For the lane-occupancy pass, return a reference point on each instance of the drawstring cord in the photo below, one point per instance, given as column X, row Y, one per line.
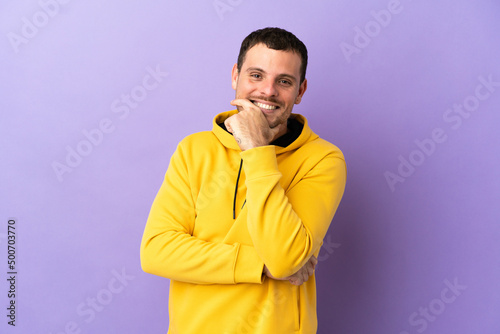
column 236, row 190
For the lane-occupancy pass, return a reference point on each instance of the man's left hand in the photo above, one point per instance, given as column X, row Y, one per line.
column 301, row 276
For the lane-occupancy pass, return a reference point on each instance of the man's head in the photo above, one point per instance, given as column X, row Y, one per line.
column 276, row 39
column 271, row 73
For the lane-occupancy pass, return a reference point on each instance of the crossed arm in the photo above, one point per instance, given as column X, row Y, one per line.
column 169, row 249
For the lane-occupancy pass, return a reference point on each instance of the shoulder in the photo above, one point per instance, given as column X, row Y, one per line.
column 198, row 140
column 321, row 148
column 311, row 145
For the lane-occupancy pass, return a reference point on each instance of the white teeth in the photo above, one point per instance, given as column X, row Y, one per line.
column 265, row 106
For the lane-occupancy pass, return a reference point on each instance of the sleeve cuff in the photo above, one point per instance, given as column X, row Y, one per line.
column 248, row 266
column 260, row 161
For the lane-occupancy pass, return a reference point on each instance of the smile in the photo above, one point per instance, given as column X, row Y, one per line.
column 264, row 106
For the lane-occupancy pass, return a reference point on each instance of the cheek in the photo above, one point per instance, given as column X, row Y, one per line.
column 245, row 89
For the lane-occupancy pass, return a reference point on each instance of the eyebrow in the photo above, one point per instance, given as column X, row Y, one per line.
column 283, row 75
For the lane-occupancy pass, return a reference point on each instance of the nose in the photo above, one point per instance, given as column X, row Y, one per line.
column 268, row 88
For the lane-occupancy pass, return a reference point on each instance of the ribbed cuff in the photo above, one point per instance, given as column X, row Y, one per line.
column 260, row 161
column 248, row 266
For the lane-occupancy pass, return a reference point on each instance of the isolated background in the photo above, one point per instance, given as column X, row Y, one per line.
column 389, row 251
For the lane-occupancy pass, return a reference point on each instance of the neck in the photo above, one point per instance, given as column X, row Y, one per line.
column 283, row 130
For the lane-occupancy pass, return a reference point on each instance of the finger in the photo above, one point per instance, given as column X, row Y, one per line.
column 228, row 126
column 297, row 281
column 313, row 262
column 244, row 103
column 310, row 270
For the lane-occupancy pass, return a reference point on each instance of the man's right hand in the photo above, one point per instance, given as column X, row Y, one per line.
column 301, row 276
column 249, row 126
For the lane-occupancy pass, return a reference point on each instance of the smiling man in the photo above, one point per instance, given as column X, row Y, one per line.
column 242, row 212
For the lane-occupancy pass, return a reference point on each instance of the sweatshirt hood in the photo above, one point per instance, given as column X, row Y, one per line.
column 228, row 140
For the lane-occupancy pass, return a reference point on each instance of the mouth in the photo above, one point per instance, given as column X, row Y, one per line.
column 265, row 106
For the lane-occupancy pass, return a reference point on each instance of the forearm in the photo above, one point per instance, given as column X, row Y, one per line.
column 170, row 249
column 179, row 256
column 288, row 228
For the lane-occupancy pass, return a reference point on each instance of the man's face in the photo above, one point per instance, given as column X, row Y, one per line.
column 271, row 80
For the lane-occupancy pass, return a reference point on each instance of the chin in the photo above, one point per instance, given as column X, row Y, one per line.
column 273, row 123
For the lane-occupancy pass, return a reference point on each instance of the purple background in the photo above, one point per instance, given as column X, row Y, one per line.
column 389, row 251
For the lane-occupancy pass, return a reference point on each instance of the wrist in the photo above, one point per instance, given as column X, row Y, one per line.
column 250, row 145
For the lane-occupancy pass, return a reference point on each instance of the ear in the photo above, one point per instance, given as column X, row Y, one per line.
column 302, row 90
column 234, row 76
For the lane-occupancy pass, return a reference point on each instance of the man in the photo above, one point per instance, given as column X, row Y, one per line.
column 240, row 217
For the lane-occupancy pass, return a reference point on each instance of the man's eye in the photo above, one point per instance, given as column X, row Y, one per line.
column 285, row 82
column 256, row 76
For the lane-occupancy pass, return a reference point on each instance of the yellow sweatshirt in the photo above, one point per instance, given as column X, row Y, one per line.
column 284, row 201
